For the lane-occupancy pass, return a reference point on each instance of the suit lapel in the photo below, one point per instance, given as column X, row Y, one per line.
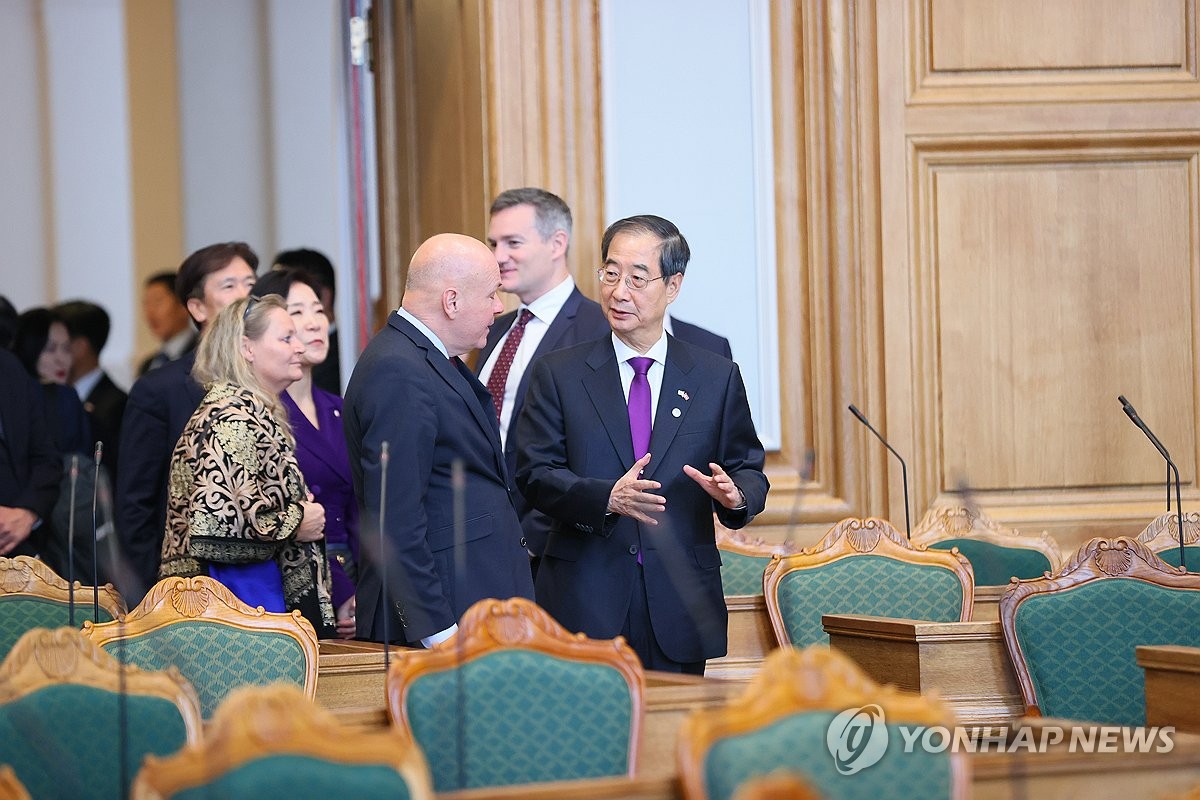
column 604, row 388
column 674, row 395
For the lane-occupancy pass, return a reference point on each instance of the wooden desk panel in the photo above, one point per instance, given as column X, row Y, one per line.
column 965, row 662
column 669, row 699
column 750, row 639
column 350, row 682
column 987, row 603
column 1172, row 685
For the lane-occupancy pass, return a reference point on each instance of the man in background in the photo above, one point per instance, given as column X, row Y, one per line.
column 411, row 390
column 328, row 374
column 168, row 320
column 160, row 404
column 88, row 326
column 530, row 234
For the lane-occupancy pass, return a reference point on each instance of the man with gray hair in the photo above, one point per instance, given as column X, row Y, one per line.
column 530, row 233
column 411, row 390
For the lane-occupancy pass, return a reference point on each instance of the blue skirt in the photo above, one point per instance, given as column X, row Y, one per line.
column 258, row 584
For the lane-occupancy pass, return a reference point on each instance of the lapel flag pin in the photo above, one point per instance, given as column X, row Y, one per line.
column 683, row 394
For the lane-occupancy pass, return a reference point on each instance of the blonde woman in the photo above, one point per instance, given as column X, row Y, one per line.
column 237, row 507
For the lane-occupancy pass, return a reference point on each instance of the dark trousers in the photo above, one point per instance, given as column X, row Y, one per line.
column 639, row 633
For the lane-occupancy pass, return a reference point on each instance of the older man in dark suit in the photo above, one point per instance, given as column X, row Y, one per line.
column 410, row 390
column 160, row 404
column 30, row 465
column 530, row 233
column 630, row 443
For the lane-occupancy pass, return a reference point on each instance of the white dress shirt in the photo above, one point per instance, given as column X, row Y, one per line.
column 654, row 376
column 87, row 383
column 544, row 310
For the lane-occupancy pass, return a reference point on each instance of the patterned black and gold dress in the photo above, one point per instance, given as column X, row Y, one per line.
column 233, row 507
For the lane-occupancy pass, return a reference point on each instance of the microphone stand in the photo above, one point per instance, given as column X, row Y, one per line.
column 903, row 467
column 96, row 537
column 383, row 575
column 1130, row 412
column 71, row 543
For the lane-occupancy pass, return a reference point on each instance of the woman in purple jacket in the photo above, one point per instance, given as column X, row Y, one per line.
column 316, row 418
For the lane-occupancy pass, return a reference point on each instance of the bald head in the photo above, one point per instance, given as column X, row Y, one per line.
column 452, row 287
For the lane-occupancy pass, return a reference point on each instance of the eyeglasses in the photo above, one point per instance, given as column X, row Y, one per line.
column 610, row 277
column 250, row 301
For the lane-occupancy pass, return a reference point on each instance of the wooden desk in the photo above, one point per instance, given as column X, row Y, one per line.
column 987, row 603
column 750, row 639
column 669, row 699
column 1172, row 685
column 350, row 682
column 965, row 662
column 1057, row 774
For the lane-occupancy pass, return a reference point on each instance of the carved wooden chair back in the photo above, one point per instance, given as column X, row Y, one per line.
column 1072, row 636
column 515, row 698
column 804, row 713
column 1162, row 537
column 744, row 559
column 62, row 703
column 996, row 554
column 218, row 642
column 272, row 741
column 864, row 567
column 34, row 596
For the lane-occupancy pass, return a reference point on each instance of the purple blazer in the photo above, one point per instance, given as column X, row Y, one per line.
column 322, row 457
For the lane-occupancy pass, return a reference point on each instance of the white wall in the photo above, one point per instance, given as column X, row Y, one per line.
column 687, row 136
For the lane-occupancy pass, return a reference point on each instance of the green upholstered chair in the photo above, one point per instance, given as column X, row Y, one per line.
column 11, row 787
column 996, row 554
column 271, row 741
column 61, row 701
column 744, row 559
column 1072, row 636
column 864, row 567
column 788, row 717
column 218, row 642
column 1162, row 537
column 514, row 698
column 33, row 596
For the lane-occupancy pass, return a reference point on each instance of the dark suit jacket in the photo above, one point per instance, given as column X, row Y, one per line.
column 579, row 320
column 31, row 467
column 433, row 412
column 701, row 337
column 576, row 444
column 328, row 374
column 105, row 405
column 160, row 404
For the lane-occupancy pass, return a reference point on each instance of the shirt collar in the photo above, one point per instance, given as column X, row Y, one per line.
column 178, row 344
column 423, row 328
column 657, row 351
column 547, row 306
column 87, row 383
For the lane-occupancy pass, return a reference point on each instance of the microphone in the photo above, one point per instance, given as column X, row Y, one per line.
column 387, row 610
column 96, row 537
column 903, row 467
column 1130, row 412
column 71, row 544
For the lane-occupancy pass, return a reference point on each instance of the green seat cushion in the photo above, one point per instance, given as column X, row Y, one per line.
column 1190, row 551
column 797, row 743
column 216, row 658
column 742, row 574
column 63, row 741
column 1079, row 645
column 525, row 717
column 22, row 612
column 866, row 584
column 291, row 777
column 995, row 564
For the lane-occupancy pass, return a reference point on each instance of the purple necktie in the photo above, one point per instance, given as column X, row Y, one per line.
column 639, row 406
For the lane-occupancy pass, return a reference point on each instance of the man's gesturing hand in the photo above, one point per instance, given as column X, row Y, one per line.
column 630, row 495
column 720, row 486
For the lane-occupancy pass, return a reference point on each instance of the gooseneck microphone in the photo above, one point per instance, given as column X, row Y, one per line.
column 903, row 467
column 383, row 557
column 1130, row 412
column 96, row 536
column 74, row 474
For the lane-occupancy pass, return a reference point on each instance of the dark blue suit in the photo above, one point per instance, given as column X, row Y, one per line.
column 701, row 337
column 576, row 444
column 160, row 404
column 579, row 320
column 433, row 412
column 31, row 467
